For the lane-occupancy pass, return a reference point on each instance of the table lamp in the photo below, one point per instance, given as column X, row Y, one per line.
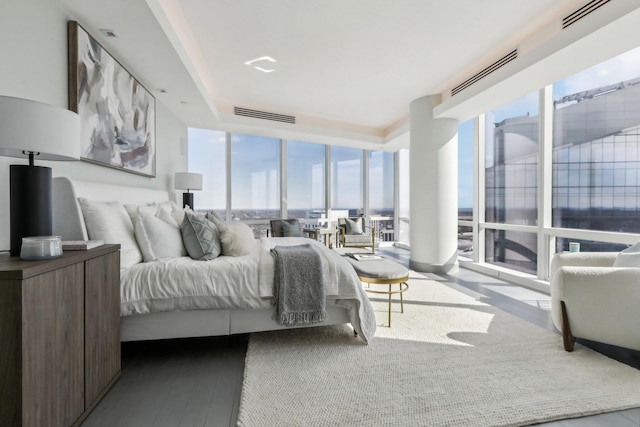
column 188, row 181
column 30, row 129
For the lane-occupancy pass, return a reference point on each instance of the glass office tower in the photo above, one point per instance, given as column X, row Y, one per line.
column 596, row 172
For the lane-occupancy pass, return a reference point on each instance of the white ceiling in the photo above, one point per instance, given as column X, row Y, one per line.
column 358, row 61
column 344, row 68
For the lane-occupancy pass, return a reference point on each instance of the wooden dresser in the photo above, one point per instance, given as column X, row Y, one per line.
column 59, row 336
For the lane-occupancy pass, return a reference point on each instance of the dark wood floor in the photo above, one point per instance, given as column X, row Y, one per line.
column 185, row 382
column 197, row 382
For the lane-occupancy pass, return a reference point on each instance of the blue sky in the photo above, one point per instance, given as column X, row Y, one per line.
column 207, row 156
column 465, row 164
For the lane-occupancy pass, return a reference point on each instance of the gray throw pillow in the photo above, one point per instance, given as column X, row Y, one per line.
column 291, row 230
column 214, row 217
column 354, row 226
column 201, row 237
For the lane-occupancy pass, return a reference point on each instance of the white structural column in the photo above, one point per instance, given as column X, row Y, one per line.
column 434, row 189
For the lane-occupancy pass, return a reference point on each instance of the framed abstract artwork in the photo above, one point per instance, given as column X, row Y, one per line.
column 118, row 114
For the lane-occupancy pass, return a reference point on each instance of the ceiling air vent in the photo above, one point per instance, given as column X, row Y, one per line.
column 585, row 10
column 482, row 74
column 264, row 115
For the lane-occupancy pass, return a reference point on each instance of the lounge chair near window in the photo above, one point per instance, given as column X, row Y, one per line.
column 285, row 228
column 356, row 233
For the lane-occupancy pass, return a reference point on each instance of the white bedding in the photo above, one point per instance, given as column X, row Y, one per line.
column 180, row 284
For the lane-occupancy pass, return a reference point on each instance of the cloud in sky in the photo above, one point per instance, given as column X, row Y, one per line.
column 618, row 69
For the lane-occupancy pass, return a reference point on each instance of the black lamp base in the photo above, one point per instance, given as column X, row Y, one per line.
column 187, row 199
column 30, row 204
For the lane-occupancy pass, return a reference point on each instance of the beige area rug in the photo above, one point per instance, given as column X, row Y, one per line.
column 449, row 360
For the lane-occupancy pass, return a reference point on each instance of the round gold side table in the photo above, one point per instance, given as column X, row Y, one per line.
column 402, row 281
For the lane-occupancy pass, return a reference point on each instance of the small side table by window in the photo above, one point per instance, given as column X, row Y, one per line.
column 329, row 234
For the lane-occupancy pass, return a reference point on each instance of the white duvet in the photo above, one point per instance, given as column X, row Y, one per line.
column 246, row 282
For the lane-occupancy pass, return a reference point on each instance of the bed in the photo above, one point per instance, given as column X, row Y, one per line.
column 180, row 297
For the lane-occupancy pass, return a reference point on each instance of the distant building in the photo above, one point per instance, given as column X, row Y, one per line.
column 596, row 171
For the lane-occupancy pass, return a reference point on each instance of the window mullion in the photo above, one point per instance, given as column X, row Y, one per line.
column 545, row 168
column 365, row 183
column 479, row 135
column 228, row 173
column 284, row 210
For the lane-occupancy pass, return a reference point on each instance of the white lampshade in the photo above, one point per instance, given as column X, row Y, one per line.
column 29, row 126
column 188, row 181
column 34, row 130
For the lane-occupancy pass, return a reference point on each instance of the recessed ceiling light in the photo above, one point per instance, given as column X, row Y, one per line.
column 264, row 70
column 107, row 32
column 263, row 60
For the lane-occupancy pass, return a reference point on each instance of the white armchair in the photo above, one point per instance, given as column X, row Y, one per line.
column 593, row 300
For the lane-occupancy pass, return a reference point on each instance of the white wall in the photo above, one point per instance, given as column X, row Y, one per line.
column 33, row 48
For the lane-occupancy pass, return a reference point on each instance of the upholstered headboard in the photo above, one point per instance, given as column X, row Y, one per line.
column 68, row 221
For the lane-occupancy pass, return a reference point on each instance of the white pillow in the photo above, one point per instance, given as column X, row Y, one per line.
column 168, row 218
column 110, row 222
column 177, row 213
column 151, row 208
column 237, row 239
column 157, row 237
column 629, row 257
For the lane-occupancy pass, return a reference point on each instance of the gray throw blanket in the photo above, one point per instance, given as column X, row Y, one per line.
column 299, row 291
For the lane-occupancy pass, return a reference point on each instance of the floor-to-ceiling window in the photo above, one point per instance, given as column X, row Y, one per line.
column 207, row 156
column 256, row 167
column 381, row 194
column 404, row 222
column 596, row 150
column 589, row 188
column 305, row 180
column 255, row 180
column 511, row 164
column 346, row 180
column 465, row 188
